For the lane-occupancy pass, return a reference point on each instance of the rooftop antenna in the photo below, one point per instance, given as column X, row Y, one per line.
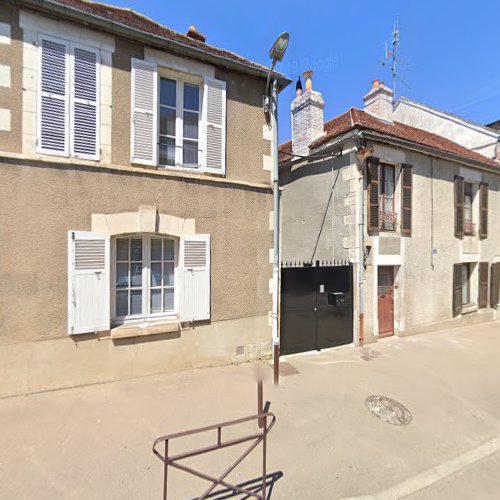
column 391, row 56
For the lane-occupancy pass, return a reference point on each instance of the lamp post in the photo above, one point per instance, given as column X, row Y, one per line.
column 276, row 53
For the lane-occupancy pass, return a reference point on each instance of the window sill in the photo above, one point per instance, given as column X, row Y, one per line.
column 469, row 309
column 144, row 329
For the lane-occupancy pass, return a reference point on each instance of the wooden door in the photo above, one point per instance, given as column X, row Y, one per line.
column 385, row 301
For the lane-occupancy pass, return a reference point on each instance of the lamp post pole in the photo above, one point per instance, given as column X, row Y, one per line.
column 271, row 110
column 276, row 234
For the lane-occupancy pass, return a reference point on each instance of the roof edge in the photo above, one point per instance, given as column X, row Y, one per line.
column 389, row 139
column 104, row 24
column 458, row 119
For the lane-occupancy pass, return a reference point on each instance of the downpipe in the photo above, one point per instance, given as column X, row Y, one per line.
column 361, row 154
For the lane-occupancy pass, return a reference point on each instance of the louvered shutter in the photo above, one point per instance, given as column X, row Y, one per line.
column 144, row 113
column 84, row 105
column 373, row 193
column 215, row 121
column 459, row 207
column 495, row 285
column 88, row 282
column 482, row 300
column 406, row 198
column 483, row 210
column 457, row 289
column 53, row 98
column 195, row 271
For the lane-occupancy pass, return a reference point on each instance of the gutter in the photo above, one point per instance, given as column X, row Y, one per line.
column 414, row 146
column 69, row 13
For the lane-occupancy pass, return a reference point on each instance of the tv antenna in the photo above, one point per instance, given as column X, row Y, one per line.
column 391, row 57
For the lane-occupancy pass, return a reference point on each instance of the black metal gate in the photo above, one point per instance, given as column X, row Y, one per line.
column 316, row 306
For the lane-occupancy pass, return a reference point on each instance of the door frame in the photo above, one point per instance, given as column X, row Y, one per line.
column 394, row 270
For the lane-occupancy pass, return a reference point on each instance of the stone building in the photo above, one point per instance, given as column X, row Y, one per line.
column 136, row 193
column 415, row 212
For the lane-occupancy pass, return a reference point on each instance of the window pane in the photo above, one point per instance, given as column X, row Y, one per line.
column 121, row 275
column 155, row 249
column 136, row 250
column 122, row 303
column 168, row 274
column 156, row 301
column 167, row 92
column 168, row 248
column 191, row 97
column 136, row 274
column 167, row 121
column 167, row 151
column 122, row 249
column 156, row 274
column 168, row 300
column 190, row 153
column 465, row 284
column 135, row 301
column 190, row 125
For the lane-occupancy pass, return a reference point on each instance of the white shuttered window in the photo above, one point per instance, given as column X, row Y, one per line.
column 144, row 112
column 215, row 142
column 195, row 296
column 88, row 282
column 178, row 120
column 84, row 115
column 68, row 99
column 53, row 100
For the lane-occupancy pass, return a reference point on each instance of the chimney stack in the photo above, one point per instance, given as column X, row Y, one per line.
column 380, row 100
column 307, row 116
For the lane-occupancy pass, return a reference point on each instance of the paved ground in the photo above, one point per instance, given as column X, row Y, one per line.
column 95, row 442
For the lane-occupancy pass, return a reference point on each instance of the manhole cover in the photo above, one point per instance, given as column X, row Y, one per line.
column 388, row 410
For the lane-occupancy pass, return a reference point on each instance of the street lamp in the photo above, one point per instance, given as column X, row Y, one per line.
column 276, row 53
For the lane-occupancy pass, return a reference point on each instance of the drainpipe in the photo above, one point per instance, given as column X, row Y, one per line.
column 276, row 199
column 361, row 154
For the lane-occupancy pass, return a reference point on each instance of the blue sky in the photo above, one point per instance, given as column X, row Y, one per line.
column 449, row 50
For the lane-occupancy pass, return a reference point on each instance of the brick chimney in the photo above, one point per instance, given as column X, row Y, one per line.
column 380, row 100
column 307, row 116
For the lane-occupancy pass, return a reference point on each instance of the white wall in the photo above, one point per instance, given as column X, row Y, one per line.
column 470, row 135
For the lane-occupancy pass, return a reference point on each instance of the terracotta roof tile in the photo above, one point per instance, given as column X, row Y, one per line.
column 356, row 118
column 285, row 151
column 140, row 22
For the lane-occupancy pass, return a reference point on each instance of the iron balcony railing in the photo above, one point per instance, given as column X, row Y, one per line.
column 387, row 220
column 469, row 227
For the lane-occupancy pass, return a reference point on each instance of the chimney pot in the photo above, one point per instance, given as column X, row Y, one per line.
column 298, row 88
column 308, row 77
column 193, row 33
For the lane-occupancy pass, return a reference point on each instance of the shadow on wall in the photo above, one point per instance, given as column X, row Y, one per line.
column 313, row 168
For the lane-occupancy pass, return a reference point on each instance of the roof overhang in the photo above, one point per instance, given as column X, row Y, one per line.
column 69, row 13
column 420, row 148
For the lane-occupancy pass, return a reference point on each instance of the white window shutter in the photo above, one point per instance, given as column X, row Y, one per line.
column 84, row 105
column 215, row 122
column 53, row 97
column 88, row 282
column 195, row 276
column 144, row 112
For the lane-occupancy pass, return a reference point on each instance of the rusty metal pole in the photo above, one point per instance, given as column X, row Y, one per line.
column 260, row 404
column 264, row 454
column 165, row 471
